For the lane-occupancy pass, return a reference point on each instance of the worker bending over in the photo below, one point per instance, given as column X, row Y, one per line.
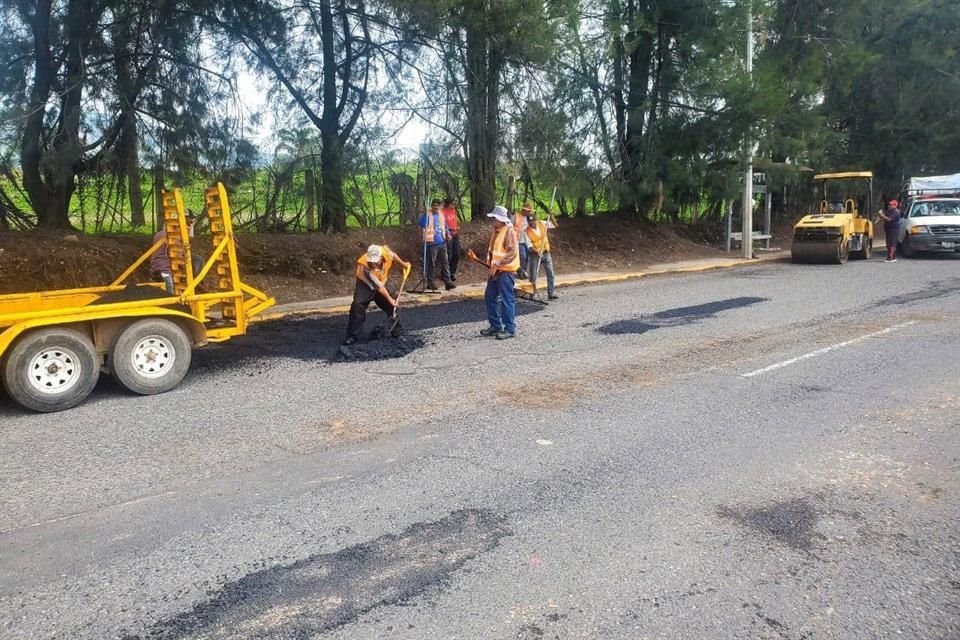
column 503, row 258
column 160, row 260
column 373, row 272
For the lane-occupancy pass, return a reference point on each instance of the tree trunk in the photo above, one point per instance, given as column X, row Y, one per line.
column 130, row 156
column 638, row 93
column 482, row 125
column 333, row 216
column 49, row 174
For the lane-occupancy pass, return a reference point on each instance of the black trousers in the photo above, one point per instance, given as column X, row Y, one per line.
column 437, row 253
column 363, row 295
column 453, row 254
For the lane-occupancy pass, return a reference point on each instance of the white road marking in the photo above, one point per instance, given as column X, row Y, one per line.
column 545, row 443
column 833, row 347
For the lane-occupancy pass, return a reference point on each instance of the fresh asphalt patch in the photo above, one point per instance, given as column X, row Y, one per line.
column 316, row 340
column 326, row 591
column 791, row 522
column 677, row 317
column 932, row 291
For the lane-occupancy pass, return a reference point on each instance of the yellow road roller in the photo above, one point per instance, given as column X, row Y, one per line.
column 841, row 228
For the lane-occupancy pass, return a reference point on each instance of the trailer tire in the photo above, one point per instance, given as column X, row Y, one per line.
column 150, row 356
column 51, row 369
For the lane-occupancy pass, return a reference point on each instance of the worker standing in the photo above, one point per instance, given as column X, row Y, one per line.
column 450, row 216
column 891, row 227
column 520, row 225
column 503, row 259
column 373, row 272
column 538, row 246
column 435, row 237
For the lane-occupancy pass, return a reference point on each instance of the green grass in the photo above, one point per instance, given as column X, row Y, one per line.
column 98, row 206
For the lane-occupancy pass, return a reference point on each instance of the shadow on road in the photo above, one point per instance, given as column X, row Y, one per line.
column 677, row 317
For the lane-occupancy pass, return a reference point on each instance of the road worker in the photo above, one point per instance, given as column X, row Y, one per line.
column 503, row 260
column 160, row 260
column 436, row 234
column 520, row 225
column 538, row 245
column 373, row 273
column 452, row 219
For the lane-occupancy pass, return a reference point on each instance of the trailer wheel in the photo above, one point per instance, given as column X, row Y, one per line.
column 150, row 356
column 51, row 369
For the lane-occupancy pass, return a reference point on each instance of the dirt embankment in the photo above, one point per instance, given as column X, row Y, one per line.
column 295, row 267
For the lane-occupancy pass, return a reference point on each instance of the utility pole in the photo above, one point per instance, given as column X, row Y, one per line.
column 747, row 235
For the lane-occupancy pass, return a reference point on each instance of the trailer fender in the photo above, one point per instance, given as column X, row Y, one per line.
column 103, row 327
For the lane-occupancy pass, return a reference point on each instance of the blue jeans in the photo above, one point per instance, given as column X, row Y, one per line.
column 501, row 303
column 524, row 254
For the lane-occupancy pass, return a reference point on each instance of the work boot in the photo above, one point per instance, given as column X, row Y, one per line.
column 553, row 296
column 450, row 286
column 503, row 335
column 433, row 286
column 490, row 332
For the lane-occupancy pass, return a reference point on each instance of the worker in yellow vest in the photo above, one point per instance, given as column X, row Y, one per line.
column 503, row 258
column 435, row 238
column 520, row 225
column 373, row 272
column 538, row 245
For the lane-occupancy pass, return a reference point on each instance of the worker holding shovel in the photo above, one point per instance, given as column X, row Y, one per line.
column 373, row 272
column 502, row 263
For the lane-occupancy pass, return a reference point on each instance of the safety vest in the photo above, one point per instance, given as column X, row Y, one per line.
column 498, row 251
column 429, row 233
column 382, row 272
column 537, row 235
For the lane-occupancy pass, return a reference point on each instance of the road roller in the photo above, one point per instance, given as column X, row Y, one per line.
column 841, row 227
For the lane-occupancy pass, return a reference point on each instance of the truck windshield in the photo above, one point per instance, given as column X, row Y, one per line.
column 935, row 208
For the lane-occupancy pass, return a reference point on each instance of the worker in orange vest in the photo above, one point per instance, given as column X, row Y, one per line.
column 452, row 219
column 435, row 238
column 503, row 258
column 373, row 272
column 538, row 245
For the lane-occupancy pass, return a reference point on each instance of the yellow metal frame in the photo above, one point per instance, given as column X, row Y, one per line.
column 236, row 300
column 841, row 176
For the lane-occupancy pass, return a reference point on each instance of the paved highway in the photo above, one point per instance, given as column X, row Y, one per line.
column 761, row 452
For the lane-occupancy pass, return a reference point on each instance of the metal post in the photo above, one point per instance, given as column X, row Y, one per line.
column 747, row 237
column 767, row 205
column 729, row 210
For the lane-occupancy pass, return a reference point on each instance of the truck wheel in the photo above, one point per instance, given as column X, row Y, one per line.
column 51, row 369
column 150, row 356
column 907, row 249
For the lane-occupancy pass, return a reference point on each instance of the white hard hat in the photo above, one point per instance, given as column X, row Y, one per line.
column 374, row 253
column 499, row 213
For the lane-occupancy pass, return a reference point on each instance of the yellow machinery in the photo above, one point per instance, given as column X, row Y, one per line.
column 839, row 229
column 54, row 344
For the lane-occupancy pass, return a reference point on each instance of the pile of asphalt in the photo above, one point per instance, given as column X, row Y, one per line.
column 382, row 349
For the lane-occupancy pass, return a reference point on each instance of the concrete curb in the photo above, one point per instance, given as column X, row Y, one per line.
column 340, row 305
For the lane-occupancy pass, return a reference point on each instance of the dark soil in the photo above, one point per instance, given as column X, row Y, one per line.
column 295, row 267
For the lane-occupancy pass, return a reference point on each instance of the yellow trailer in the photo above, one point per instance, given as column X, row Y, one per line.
column 54, row 344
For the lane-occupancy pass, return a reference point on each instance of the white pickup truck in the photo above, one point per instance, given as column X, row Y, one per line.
column 931, row 215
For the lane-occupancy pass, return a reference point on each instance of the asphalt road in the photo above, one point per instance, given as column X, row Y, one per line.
column 762, row 452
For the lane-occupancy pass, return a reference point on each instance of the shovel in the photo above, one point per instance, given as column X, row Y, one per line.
column 396, row 308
